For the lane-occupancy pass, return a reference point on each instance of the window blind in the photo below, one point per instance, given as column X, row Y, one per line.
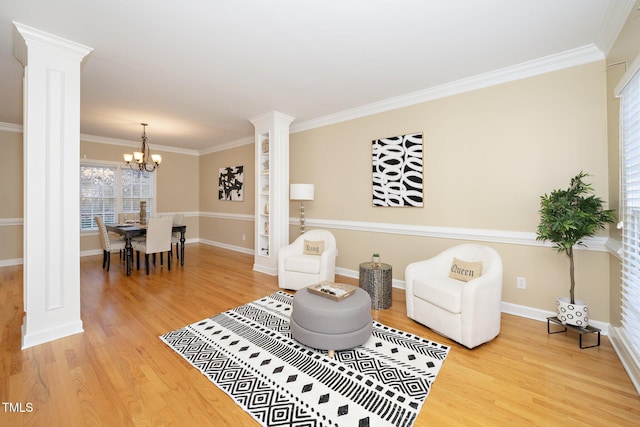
column 630, row 207
column 136, row 186
column 106, row 190
column 97, row 195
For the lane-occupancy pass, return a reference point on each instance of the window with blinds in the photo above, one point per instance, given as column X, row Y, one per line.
column 136, row 186
column 106, row 190
column 630, row 207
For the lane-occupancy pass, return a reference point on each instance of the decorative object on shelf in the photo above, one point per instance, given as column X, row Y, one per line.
column 397, row 171
column 566, row 218
column 265, row 146
column 302, row 192
column 143, row 156
column 143, row 212
column 266, row 228
column 375, row 260
column 231, row 183
column 266, row 208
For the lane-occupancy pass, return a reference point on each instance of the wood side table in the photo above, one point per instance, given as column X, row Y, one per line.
column 377, row 281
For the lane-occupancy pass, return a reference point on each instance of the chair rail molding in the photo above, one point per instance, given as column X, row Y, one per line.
column 227, row 215
column 598, row 243
column 10, row 222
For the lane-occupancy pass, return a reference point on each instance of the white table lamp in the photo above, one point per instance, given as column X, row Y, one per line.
column 301, row 192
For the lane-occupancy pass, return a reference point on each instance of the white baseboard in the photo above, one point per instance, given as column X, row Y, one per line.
column 541, row 315
column 355, row 274
column 626, row 354
column 509, row 308
column 92, row 252
column 10, row 262
column 506, row 307
column 265, row 270
column 617, row 338
column 226, row 246
column 51, row 334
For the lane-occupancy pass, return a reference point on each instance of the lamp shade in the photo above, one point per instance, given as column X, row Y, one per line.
column 301, row 192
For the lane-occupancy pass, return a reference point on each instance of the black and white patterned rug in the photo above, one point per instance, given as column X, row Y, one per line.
column 248, row 352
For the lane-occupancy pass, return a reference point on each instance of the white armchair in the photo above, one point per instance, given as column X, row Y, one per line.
column 467, row 312
column 297, row 270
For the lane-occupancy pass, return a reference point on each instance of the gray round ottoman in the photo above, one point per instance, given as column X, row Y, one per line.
column 326, row 324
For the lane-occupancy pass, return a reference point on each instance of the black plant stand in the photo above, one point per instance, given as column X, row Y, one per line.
column 579, row 329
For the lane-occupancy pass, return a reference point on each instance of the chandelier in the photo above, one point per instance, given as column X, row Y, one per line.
column 143, row 157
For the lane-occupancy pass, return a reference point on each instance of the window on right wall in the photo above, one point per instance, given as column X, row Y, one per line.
column 629, row 93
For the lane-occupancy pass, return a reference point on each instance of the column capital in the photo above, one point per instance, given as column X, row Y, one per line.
column 28, row 37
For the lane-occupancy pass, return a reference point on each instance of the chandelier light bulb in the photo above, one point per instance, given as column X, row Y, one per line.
column 143, row 157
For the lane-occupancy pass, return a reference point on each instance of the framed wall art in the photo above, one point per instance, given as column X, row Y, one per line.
column 397, row 165
column 231, row 183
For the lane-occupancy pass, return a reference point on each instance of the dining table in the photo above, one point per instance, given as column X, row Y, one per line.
column 129, row 231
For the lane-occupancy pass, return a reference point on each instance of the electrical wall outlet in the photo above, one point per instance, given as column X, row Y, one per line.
column 521, row 283
column 244, row 237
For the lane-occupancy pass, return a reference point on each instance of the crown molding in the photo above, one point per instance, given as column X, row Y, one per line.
column 579, row 56
column 227, row 145
column 571, row 58
column 615, row 18
column 128, row 143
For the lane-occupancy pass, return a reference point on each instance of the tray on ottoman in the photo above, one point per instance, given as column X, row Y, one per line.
column 334, row 291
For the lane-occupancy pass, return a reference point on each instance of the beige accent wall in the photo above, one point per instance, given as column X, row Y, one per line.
column 11, row 200
column 488, row 156
column 625, row 50
column 11, row 167
column 223, row 221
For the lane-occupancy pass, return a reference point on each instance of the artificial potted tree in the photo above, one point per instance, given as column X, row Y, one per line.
column 566, row 218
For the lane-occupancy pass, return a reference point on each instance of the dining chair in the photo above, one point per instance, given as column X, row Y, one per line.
column 178, row 219
column 158, row 240
column 108, row 246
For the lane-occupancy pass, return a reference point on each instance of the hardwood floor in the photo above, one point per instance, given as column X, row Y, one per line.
column 119, row 373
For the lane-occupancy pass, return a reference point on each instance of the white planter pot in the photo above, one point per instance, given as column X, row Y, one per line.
column 573, row 314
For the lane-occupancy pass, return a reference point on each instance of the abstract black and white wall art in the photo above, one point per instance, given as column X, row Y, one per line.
column 397, row 171
column 231, row 183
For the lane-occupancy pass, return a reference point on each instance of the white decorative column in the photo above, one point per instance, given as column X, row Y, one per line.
column 272, row 189
column 51, row 184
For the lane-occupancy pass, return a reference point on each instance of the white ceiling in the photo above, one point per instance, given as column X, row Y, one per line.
column 197, row 70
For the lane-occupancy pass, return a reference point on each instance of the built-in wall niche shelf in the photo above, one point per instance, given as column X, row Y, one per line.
column 272, row 189
column 263, row 218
